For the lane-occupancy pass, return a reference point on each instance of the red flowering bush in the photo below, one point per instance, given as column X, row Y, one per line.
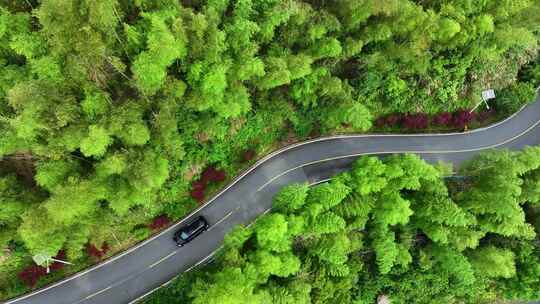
column 198, row 185
column 31, row 274
column 415, row 121
column 198, row 195
column 380, row 122
column 159, row 222
column 197, row 189
column 390, row 120
column 248, row 155
column 57, row 265
column 418, row 121
column 219, row 176
column 462, row 118
column 443, row 119
column 210, row 174
column 93, row 251
column 105, row 247
column 393, row 120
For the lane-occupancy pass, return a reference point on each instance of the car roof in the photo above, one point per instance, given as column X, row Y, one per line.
column 195, row 224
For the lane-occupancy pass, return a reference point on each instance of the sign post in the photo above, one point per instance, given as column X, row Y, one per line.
column 486, row 95
column 42, row 259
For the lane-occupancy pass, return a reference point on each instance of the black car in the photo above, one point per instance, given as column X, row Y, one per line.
column 190, row 231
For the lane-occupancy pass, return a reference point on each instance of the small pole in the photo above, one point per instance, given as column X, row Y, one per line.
column 117, row 240
column 55, row 260
column 476, row 106
column 60, row 261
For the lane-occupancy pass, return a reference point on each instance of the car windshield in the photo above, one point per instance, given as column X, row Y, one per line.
column 184, row 235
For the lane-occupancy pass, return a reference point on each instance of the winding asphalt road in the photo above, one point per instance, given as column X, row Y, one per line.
column 145, row 267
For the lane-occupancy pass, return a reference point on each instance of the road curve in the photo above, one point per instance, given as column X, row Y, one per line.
column 148, row 265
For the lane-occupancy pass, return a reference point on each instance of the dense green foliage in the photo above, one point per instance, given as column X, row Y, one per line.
column 397, row 227
column 117, row 105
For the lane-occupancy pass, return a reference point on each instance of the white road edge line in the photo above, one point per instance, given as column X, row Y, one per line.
column 242, row 175
column 203, row 260
column 150, row 292
column 324, row 180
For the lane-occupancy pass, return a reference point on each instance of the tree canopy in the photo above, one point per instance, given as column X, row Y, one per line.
column 111, row 110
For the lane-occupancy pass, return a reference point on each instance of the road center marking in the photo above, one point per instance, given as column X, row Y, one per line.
column 96, row 293
column 224, row 218
column 163, row 259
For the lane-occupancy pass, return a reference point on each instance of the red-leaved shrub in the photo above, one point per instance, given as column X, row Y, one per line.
column 105, row 247
column 393, row 120
column 211, row 174
column 415, row 121
column 93, row 251
column 219, row 176
column 248, row 155
column 198, row 185
column 159, row 222
column 57, row 265
column 208, row 174
column 31, row 274
column 380, row 122
column 198, row 195
column 461, row 118
column 443, row 119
